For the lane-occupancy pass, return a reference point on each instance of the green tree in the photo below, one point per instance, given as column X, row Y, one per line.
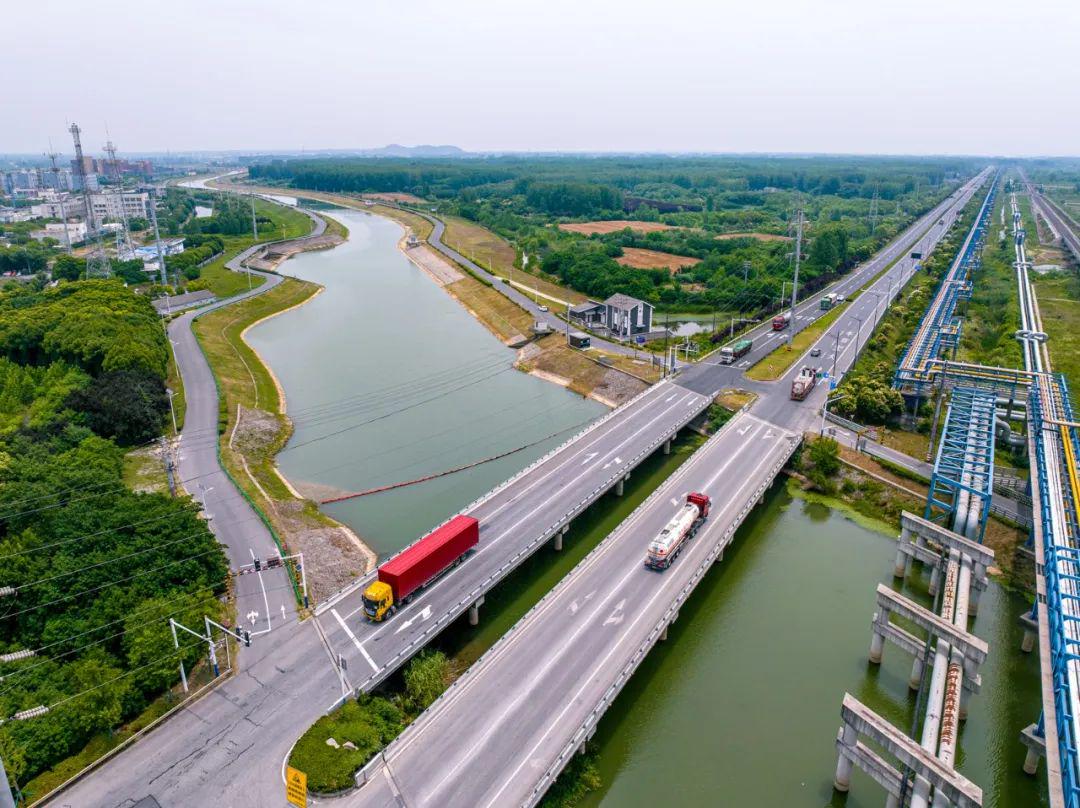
column 825, row 455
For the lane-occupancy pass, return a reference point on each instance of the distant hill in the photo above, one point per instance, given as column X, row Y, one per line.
column 397, row 150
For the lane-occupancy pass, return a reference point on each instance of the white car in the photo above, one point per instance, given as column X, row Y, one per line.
column 543, row 308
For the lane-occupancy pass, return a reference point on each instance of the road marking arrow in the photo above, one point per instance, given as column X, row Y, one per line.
column 252, row 616
column 424, row 615
column 616, row 615
column 589, row 457
column 614, row 462
column 745, row 429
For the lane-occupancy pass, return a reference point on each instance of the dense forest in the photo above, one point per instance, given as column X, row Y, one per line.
column 851, row 206
column 94, row 569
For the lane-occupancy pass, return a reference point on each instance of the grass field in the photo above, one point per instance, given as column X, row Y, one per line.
column 479, row 244
column 777, row 363
column 288, row 223
column 1059, row 304
column 654, row 259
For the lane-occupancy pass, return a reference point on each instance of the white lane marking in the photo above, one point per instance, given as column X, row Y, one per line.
column 668, row 399
column 598, row 435
column 615, row 461
column 639, row 613
column 266, row 600
column 422, row 615
column 356, row 642
column 617, row 614
column 589, row 457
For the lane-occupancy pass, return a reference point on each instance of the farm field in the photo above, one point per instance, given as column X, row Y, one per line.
column 640, row 258
column 397, row 196
column 614, row 226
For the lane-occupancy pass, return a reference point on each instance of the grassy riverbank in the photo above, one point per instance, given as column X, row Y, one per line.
column 253, row 428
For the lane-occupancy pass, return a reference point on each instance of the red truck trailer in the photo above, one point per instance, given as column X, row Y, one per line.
column 418, row 565
column 781, row 321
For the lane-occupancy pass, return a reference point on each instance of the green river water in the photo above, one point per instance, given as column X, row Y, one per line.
column 741, row 706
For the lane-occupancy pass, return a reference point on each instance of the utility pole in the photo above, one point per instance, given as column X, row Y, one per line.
column 254, row 235
column 56, row 183
column 795, row 282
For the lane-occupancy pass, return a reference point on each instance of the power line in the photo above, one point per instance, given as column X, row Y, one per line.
column 389, row 414
column 216, row 549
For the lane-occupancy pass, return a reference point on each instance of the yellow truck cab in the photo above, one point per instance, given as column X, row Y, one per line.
column 378, row 601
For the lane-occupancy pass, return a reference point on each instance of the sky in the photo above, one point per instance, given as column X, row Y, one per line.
column 866, row 76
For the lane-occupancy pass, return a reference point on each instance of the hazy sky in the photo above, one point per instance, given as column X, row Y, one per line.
column 918, row 76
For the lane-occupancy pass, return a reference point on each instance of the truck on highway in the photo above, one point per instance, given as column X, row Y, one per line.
column 729, row 353
column 828, row 301
column 781, row 321
column 417, row 566
column 803, row 383
column 682, row 527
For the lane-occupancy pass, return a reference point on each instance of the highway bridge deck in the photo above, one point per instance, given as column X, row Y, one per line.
column 516, row 519
column 534, row 698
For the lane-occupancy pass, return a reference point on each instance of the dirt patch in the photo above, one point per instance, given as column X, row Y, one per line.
column 614, row 226
column 654, row 259
column 333, row 556
column 397, row 197
column 759, row 236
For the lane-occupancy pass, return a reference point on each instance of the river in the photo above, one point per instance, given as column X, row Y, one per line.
column 741, row 706
column 387, row 378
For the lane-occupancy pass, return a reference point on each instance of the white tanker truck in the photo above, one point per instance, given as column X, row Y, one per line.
column 666, row 546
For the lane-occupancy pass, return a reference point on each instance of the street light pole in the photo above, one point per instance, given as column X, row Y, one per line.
column 6, row 799
column 825, row 410
column 836, row 353
column 858, row 336
column 795, row 281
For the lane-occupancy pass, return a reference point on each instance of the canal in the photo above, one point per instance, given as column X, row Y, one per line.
column 388, row 378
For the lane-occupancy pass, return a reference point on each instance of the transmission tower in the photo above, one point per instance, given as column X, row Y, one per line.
column 873, row 212
column 97, row 262
column 110, row 149
column 56, row 185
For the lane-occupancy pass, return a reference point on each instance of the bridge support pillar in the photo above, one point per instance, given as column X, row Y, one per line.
column 915, row 680
column 1031, row 632
column 559, row 536
column 935, row 580
column 877, row 646
column 1036, row 748
column 842, row 780
column 620, row 484
column 474, row 612
column 667, row 445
